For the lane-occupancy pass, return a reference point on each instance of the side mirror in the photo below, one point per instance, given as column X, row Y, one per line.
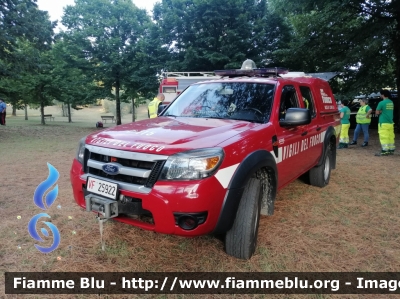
column 296, row 117
column 161, row 108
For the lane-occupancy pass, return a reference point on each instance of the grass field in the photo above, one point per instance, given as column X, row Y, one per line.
column 351, row 225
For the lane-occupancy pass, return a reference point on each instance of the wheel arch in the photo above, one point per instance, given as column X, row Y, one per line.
column 258, row 163
column 329, row 139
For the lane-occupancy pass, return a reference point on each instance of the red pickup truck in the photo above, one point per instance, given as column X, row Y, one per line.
column 214, row 159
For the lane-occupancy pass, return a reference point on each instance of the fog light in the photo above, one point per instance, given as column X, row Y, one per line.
column 187, row 222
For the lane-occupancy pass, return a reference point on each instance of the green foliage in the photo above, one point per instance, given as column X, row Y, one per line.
column 25, row 38
column 20, row 19
column 356, row 38
column 112, row 36
column 112, row 50
column 204, row 35
column 72, row 83
column 30, row 83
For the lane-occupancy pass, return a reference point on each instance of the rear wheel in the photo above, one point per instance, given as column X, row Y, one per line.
column 320, row 175
column 241, row 239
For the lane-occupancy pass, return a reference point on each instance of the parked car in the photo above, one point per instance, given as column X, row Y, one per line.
column 373, row 100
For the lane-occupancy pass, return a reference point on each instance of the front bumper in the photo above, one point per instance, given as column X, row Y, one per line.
column 164, row 201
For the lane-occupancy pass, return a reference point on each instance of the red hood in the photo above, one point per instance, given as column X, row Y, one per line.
column 167, row 135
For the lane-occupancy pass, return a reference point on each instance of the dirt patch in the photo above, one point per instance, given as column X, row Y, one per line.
column 351, row 225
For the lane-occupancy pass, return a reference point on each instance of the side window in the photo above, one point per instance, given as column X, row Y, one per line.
column 288, row 100
column 308, row 99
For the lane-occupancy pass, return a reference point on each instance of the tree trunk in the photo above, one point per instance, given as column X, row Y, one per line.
column 40, row 95
column 26, row 111
column 14, row 110
column 69, row 112
column 133, row 110
column 42, row 111
column 117, row 103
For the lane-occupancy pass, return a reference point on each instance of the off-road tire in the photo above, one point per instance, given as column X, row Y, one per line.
column 241, row 239
column 320, row 175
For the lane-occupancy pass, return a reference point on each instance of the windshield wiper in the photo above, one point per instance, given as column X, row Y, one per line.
column 249, row 120
column 217, row 117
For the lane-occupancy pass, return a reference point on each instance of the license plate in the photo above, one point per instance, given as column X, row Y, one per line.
column 102, row 188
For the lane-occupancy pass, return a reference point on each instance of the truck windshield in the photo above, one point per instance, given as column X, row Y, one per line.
column 229, row 100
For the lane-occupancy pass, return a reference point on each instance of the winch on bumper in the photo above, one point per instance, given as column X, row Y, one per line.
column 106, row 207
column 110, row 208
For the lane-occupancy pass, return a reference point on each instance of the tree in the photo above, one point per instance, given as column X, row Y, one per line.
column 359, row 38
column 17, row 87
column 204, row 35
column 39, row 80
column 149, row 60
column 36, row 76
column 25, row 32
column 72, row 83
column 21, row 19
column 109, row 33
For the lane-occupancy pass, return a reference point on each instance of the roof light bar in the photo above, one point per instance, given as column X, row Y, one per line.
column 273, row 71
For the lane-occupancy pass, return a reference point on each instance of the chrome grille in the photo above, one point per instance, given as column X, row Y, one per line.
column 137, row 171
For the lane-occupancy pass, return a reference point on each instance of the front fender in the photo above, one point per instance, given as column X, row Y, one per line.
column 247, row 168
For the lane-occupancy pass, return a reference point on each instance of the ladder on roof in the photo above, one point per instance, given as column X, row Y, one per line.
column 187, row 74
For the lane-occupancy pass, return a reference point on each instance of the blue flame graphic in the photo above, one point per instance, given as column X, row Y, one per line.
column 44, row 186
column 32, row 231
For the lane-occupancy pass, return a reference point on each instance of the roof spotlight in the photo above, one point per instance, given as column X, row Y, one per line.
column 248, row 64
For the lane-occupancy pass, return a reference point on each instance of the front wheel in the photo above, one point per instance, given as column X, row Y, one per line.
column 241, row 239
column 320, row 175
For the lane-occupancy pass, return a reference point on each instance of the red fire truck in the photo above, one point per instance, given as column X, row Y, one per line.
column 214, row 159
column 173, row 83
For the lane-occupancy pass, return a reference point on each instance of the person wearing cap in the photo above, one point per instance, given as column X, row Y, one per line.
column 363, row 120
column 345, row 125
column 386, row 125
column 153, row 105
column 3, row 110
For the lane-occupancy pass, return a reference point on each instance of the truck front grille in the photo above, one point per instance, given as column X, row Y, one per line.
column 155, row 172
column 137, row 171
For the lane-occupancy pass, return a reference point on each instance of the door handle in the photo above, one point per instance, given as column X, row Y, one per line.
column 304, row 133
column 319, row 129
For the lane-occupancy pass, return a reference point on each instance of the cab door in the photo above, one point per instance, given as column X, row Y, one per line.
column 312, row 144
column 290, row 160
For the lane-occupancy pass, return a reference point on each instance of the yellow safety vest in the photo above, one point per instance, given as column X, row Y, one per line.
column 153, row 107
column 306, row 102
column 361, row 116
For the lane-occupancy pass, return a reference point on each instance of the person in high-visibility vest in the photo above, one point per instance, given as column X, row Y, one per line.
column 386, row 126
column 153, row 105
column 306, row 103
column 345, row 123
column 363, row 120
